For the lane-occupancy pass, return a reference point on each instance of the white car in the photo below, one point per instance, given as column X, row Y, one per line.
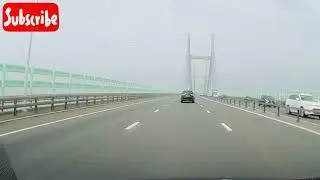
column 305, row 102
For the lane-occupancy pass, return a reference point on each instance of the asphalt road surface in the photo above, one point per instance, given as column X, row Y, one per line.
column 161, row 139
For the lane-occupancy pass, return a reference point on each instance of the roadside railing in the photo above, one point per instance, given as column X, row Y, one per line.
column 15, row 104
column 243, row 102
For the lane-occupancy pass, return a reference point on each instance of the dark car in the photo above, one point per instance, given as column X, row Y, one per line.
column 267, row 100
column 187, row 95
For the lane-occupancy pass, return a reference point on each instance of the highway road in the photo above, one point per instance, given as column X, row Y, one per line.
column 161, row 139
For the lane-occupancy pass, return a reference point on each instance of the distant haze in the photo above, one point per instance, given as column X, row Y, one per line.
column 259, row 44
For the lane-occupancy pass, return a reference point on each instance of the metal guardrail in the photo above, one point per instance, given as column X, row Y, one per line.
column 14, row 103
column 238, row 101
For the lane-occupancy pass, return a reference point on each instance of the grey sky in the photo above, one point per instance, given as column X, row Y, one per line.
column 258, row 44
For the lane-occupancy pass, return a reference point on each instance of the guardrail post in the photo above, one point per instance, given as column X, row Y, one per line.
column 86, row 100
column 52, row 103
column 2, row 104
column 102, row 100
column 113, row 98
column 77, row 102
column 239, row 102
column 278, row 111
column 15, row 108
column 234, row 101
column 298, row 116
column 246, row 104
column 65, row 102
column 94, row 99
column 35, row 104
column 30, row 102
column 254, row 105
column 264, row 108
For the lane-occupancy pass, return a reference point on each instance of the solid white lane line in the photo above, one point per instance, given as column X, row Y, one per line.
column 132, row 125
column 208, row 112
column 74, row 117
column 274, row 119
column 226, row 127
column 157, row 110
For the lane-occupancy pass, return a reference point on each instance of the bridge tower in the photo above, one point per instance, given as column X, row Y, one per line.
column 209, row 73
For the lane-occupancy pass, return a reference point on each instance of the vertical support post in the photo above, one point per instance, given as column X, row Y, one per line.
column 211, row 68
column 94, row 99
column 65, row 102
column 77, row 101
column 254, row 105
column 278, row 111
column 298, row 116
column 35, row 105
column 246, row 104
column 26, row 78
column 52, row 103
column 264, row 108
column 86, row 100
column 15, row 108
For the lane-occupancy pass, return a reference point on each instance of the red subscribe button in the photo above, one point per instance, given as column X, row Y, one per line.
column 30, row 17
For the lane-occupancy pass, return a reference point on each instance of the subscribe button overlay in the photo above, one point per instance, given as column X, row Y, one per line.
column 30, row 17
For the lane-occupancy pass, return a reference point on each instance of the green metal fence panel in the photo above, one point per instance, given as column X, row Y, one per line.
column 41, row 84
column 64, row 81
column 15, row 68
column 61, row 74
column 14, row 83
column 39, row 71
column 89, row 77
column 75, row 85
column 77, row 76
column 61, row 85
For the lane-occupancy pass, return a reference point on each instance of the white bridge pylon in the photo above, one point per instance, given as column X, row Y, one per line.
column 208, row 78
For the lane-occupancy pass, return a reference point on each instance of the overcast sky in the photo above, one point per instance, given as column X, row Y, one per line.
column 259, row 44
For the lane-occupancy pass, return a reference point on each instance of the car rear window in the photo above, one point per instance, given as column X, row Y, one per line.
column 187, row 92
